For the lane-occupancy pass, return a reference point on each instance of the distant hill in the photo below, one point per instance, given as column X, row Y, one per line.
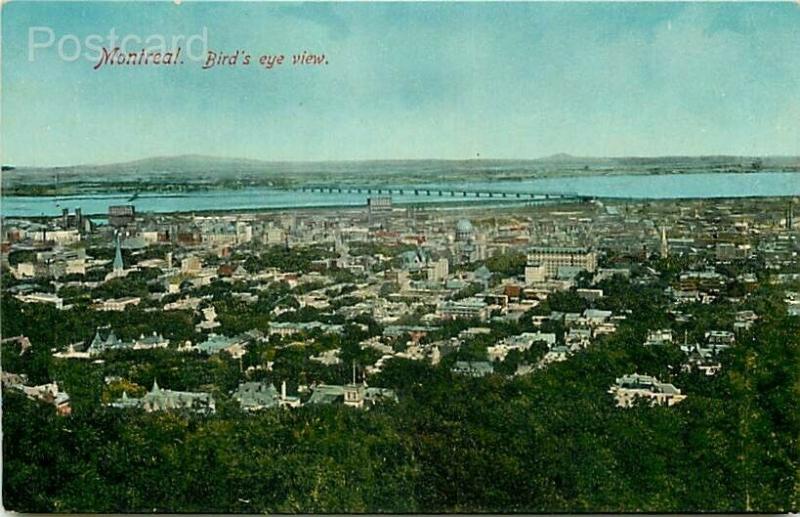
column 198, row 171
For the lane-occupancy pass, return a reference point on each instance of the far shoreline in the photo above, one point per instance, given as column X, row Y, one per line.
column 496, row 204
column 96, row 187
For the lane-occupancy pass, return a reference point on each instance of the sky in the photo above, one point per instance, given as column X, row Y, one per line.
column 405, row 81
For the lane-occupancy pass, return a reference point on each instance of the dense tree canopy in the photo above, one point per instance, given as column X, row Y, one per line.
column 550, row 441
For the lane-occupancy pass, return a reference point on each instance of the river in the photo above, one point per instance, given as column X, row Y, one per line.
column 668, row 186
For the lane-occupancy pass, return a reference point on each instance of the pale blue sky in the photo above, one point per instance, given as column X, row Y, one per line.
column 411, row 80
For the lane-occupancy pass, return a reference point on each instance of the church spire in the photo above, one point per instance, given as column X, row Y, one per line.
column 118, row 264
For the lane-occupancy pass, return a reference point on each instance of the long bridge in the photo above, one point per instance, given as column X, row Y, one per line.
column 443, row 192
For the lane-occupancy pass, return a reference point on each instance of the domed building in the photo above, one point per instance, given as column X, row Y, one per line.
column 464, row 231
column 467, row 247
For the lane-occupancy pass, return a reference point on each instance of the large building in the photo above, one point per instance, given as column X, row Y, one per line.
column 469, row 246
column 356, row 395
column 629, row 388
column 438, row 270
column 121, row 215
column 469, row 308
column 378, row 206
column 158, row 399
column 554, row 258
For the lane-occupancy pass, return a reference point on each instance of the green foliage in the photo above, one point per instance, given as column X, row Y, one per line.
column 551, row 441
column 507, row 264
column 19, row 256
column 294, row 259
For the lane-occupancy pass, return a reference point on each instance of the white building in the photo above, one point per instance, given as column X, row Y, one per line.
column 629, row 388
column 553, row 258
column 41, row 298
column 468, row 308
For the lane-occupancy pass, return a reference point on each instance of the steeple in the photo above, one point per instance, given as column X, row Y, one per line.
column 664, row 251
column 155, row 389
column 118, row 265
column 97, row 341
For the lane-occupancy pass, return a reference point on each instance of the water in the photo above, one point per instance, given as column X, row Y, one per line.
column 671, row 186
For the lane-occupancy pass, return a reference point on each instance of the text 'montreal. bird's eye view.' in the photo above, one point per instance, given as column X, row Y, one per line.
column 400, row 257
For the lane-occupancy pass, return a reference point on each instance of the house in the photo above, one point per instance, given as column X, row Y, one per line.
column 73, row 351
column 578, row 338
column 472, row 332
column 288, row 328
column 98, row 345
column 48, row 393
column 415, row 332
column 191, row 265
column 629, row 388
column 352, row 395
column 473, row 368
column 209, row 320
column 154, row 340
column 254, row 396
column 744, row 320
column 158, row 399
column 216, row 343
column 188, row 303
column 328, row 357
column 659, row 337
column 590, row 294
column 720, row 339
column 595, row 317
column 555, row 355
column 520, row 342
column 117, row 304
column 47, row 298
column 701, row 359
column 469, row 308
column 707, row 280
